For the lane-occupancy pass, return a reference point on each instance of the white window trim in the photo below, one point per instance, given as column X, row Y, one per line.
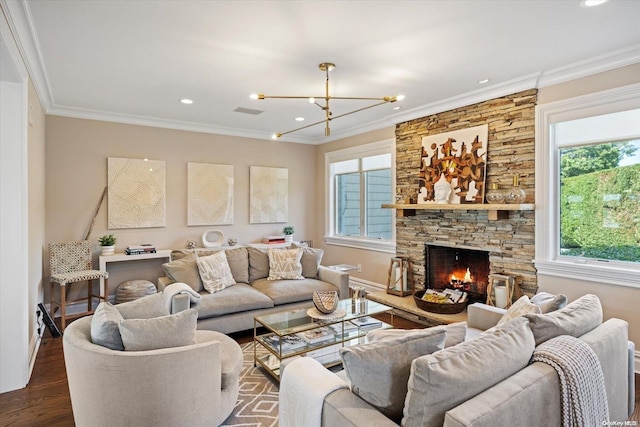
column 381, row 147
column 547, row 261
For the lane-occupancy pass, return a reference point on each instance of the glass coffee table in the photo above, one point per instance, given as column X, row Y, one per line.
column 294, row 333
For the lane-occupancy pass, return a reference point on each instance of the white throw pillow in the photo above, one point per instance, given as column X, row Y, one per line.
column 285, row 264
column 215, row 272
column 519, row 308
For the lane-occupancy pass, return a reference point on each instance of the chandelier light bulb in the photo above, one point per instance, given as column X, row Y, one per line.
column 253, row 96
column 312, row 100
column 399, row 97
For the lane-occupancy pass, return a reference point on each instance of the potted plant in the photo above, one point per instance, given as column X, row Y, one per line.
column 108, row 244
column 288, row 233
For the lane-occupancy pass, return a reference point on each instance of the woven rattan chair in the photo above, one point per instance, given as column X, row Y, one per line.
column 71, row 262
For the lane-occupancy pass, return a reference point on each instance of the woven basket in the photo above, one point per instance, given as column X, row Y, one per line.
column 435, row 307
column 325, row 301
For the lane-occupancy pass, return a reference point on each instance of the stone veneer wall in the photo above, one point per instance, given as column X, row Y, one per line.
column 510, row 242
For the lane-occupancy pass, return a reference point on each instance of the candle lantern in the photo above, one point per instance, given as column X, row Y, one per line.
column 500, row 290
column 400, row 277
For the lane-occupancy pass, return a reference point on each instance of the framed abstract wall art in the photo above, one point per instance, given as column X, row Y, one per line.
column 209, row 194
column 136, row 193
column 268, row 194
column 453, row 166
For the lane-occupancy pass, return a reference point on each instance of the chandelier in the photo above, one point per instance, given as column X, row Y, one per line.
column 326, row 67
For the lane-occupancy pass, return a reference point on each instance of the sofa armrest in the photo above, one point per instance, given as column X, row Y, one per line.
column 163, row 282
column 339, row 279
column 343, row 408
column 483, row 316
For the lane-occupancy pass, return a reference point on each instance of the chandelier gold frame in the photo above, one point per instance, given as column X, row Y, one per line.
column 326, row 67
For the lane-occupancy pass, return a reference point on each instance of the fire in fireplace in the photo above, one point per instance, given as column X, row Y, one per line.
column 450, row 267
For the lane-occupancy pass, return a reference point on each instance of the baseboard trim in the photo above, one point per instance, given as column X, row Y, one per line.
column 368, row 286
column 74, row 308
column 34, row 346
column 637, row 362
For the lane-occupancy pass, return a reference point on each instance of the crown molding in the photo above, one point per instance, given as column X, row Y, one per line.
column 599, row 64
column 19, row 19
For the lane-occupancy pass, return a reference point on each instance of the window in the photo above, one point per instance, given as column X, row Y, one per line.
column 588, row 187
column 359, row 181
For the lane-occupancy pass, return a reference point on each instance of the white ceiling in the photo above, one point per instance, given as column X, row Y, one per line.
column 131, row 61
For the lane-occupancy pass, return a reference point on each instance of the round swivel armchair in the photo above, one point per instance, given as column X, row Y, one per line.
column 193, row 385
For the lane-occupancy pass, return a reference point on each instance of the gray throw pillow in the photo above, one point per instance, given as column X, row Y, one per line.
column 443, row 380
column 104, row 327
column 575, row 319
column 145, row 307
column 175, row 330
column 549, row 302
column 184, row 270
column 379, row 371
column 258, row 264
column 311, row 258
column 238, row 260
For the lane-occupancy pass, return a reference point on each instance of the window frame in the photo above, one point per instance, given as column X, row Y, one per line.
column 358, row 152
column 547, row 260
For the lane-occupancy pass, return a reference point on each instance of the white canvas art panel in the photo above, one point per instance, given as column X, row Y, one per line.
column 453, row 166
column 209, row 194
column 137, row 193
column 269, row 194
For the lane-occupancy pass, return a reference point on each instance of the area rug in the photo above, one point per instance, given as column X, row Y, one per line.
column 257, row 404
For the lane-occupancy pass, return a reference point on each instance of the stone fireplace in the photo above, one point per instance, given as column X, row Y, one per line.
column 508, row 243
column 459, row 268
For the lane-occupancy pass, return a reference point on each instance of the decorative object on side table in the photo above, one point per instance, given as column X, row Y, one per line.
column 108, row 244
column 288, row 233
column 212, row 238
column 232, row 241
column 191, row 244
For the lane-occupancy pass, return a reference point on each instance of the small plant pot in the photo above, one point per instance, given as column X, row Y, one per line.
column 108, row 250
column 288, row 238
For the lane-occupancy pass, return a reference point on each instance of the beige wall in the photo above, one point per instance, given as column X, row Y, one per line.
column 36, row 200
column 374, row 264
column 76, row 174
column 617, row 301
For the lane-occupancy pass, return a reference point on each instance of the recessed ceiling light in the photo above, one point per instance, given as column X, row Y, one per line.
column 483, row 81
column 396, row 108
column 591, row 3
column 186, row 101
column 299, row 119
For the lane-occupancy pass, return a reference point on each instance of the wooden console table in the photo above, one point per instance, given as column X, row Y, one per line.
column 408, row 305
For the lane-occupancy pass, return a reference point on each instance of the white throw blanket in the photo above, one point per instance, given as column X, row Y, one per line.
column 303, row 387
column 582, row 389
column 179, row 288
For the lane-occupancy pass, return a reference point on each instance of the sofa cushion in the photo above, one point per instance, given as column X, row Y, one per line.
column 237, row 298
column 145, row 307
column 104, row 326
column 311, row 258
column 174, row 330
column 185, row 270
column 456, row 333
column 258, row 264
column 284, row 264
column 441, row 381
column 521, row 307
column 286, row 291
column 215, row 272
column 379, row 371
column 549, row 302
column 575, row 319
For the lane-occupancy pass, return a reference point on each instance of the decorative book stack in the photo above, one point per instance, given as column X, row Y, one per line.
column 145, row 248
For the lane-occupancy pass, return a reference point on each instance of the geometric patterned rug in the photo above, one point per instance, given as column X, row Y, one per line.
column 257, row 404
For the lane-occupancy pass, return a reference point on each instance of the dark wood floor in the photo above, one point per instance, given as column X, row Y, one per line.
column 45, row 401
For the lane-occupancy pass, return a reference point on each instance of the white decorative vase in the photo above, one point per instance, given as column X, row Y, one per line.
column 288, row 238
column 442, row 190
column 108, row 250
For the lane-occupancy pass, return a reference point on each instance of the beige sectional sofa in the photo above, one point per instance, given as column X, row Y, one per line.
column 254, row 293
column 486, row 380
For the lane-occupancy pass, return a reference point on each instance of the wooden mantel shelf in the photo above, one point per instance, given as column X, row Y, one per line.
column 495, row 211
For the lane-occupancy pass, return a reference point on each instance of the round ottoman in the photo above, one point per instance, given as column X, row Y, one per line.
column 134, row 289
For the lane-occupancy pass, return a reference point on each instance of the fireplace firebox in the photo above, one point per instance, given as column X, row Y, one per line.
column 450, row 267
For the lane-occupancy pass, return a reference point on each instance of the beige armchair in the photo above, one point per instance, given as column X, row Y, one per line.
column 195, row 385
